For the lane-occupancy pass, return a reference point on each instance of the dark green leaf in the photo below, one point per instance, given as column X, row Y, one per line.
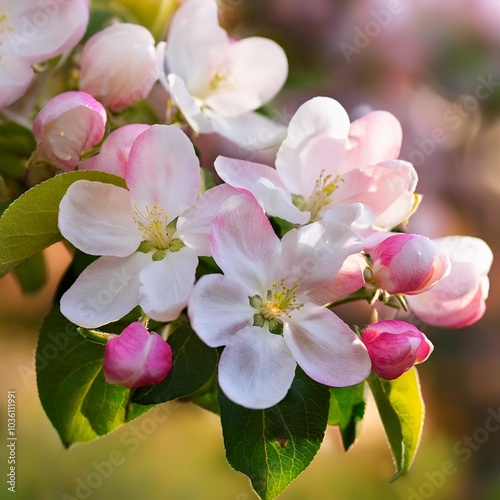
column 16, row 146
column 30, row 223
column 273, row 446
column 32, row 274
column 193, row 364
column 71, row 385
column 347, row 410
column 401, row 409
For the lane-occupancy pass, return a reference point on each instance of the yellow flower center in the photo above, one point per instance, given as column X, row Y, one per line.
column 5, row 26
column 154, row 227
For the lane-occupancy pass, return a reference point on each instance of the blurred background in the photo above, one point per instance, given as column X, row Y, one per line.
column 436, row 66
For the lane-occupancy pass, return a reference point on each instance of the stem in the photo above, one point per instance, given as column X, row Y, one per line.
column 358, row 295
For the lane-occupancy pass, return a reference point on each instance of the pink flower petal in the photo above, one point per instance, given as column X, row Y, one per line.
column 374, row 138
column 326, row 348
column 98, row 219
column 163, row 169
column 256, row 368
column 113, row 157
column 105, row 291
column 167, row 283
column 244, row 244
column 15, row 77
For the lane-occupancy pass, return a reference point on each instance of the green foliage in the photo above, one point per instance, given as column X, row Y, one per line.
column 347, row 410
column 401, row 409
column 29, row 224
column 273, row 446
column 73, row 391
column 16, row 145
column 193, row 364
column 32, row 274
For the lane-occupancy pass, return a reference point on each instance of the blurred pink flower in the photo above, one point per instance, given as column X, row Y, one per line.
column 136, row 357
column 32, row 32
column 394, row 347
column 67, row 125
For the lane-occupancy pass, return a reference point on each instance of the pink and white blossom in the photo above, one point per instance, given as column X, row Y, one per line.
column 149, row 236
column 261, row 309
column 67, row 125
column 119, row 65
column 459, row 299
column 32, row 32
column 325, row 162
column 217, row 82
column 408, row 263
column 394, row 347
column 115, row 150
column 136, row 357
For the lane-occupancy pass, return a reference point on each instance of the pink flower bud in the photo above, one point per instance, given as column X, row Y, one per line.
column 408, row 263
column 394, row 347
column 119, row 65
column 459, row 299
column 136, row 357
column 68, row 124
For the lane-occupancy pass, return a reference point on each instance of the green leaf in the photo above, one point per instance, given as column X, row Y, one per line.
column 273, row 446
column 193, row 364
column 347, row 410
column 30, row 223
column 32, row 274
column 16, row 146
column 401, row 409
column 73, row 391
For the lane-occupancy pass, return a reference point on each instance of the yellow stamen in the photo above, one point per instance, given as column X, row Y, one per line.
column 153, row 225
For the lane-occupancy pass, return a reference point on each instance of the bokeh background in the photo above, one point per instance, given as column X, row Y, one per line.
column 436, row 66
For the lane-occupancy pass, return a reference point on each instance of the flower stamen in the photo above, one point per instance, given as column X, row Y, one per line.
column 153, row 226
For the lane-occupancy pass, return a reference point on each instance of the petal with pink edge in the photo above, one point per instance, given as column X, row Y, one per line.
column 105, row 291
column 244, row 244
column 256, row 368
column 373, row 138
column 315, row 142
column 163, row 169
column 326, row 348
column 167, row 283
column 219, row 308
column 98, row 219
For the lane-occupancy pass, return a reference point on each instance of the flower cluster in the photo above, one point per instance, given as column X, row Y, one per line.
column 257, row 264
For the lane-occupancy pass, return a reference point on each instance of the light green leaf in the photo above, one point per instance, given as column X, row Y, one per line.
column 73, row 391
column 30, row 223
column 401, row 409
column 193, row 364
column 273, row 446
column 347, row 410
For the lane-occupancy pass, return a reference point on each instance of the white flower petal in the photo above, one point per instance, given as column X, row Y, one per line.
column 315, row 142
column 166, row 284
column 105, row 291
column 326, row 348
column 256, row 368
column 218, row 308
column 163, row 169
column 98, row 219
column 15, row 77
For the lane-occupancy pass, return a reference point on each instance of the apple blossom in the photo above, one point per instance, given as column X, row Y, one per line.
column 32, row 32
column 326, row 162
column 216, row 82
column 115, row 150
column 136, row 357
column 149, row 236
column 261, row 311
column 394, row 347
column 459, row 299
column 119, row 65
column 66, row 126
column 408, row 263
